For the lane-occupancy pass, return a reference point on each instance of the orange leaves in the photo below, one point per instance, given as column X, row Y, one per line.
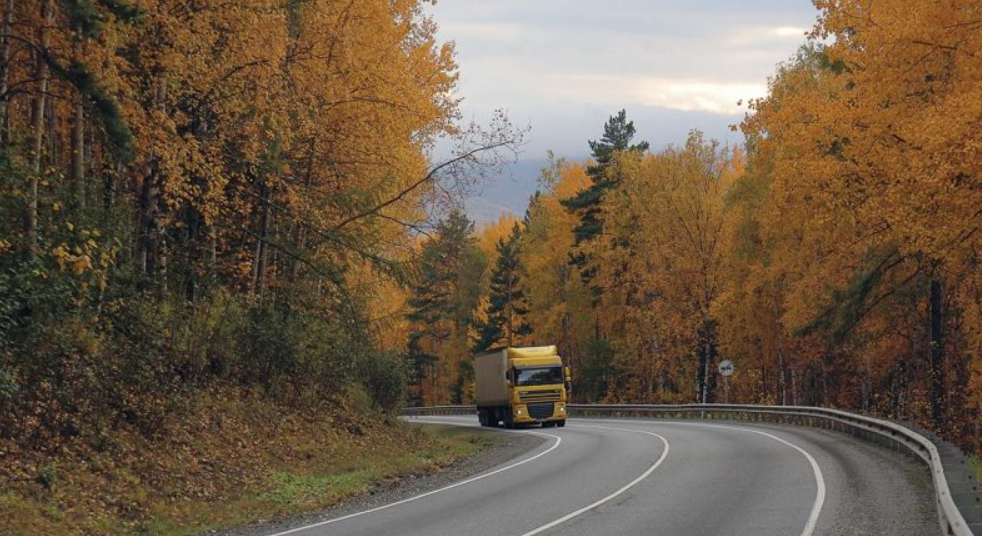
column 868, row 150
column 572, row 179
column 559, row 302
column 881, row 119
column 869, row 137
column 309, row 112
column 491, row 233
column 84, row 256
column 74, row 259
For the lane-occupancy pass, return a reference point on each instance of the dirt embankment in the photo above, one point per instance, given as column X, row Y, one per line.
column 235, row 458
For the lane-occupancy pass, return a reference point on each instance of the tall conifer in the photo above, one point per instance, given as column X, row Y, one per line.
column 507, row 307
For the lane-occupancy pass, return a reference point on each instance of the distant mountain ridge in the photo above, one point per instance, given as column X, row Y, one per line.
column 507, row 192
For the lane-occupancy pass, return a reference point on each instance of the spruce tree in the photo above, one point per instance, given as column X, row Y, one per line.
column 617, row 137
column 507, row 305
column 87, row 22
column 446, row 293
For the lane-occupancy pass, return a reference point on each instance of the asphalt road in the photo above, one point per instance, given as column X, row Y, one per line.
column 633, row 477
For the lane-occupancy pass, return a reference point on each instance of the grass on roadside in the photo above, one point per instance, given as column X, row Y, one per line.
column 231, row 460
column 321, row 482
column 976, row 462
column 303, row 492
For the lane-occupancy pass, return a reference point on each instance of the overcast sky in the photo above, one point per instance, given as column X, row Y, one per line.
column 565, row 66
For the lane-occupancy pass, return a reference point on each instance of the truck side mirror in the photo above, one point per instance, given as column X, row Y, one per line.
column 569, row 377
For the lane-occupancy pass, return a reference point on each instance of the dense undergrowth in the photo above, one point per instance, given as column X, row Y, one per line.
column 232, row 457
column 125, row 409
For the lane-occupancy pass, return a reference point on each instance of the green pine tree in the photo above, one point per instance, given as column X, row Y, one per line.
column 446, row 293
column 617, row 137
column 507, row 305
column 87, row 19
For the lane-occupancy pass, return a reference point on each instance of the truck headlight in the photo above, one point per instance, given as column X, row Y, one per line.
column 562, row 409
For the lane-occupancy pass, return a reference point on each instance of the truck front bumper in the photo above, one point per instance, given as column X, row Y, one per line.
column 537, row 412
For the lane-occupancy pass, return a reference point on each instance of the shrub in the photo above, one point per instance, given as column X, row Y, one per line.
column 384, row 376
column 300, row 356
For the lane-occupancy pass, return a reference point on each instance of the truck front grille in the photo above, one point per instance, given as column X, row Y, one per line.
column 529, row 397
column 541, row 411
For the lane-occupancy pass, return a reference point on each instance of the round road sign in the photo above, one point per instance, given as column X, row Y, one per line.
column 726, row 367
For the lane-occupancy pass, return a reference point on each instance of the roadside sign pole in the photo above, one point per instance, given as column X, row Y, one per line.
column 726, row 370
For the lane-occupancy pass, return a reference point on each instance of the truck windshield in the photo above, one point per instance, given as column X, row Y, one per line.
column 538, row 376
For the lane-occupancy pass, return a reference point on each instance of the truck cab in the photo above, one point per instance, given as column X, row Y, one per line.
column 517, row 386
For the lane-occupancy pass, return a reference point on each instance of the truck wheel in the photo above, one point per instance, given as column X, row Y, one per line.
column 509, row 421
column 482, row 417
column 561, row 423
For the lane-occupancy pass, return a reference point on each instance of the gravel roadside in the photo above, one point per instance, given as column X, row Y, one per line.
column 510, row 446
column 872, row 491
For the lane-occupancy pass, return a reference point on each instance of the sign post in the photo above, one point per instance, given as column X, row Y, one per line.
column 726, row 370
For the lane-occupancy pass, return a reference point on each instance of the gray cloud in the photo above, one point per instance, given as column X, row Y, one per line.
column 564, row 66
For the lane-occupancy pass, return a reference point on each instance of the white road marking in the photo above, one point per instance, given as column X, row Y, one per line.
column 809, row 529
column 626, row 487
column 432, row 492
column 809, row 526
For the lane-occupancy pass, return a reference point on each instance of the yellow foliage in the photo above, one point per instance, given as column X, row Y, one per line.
column 491, row 233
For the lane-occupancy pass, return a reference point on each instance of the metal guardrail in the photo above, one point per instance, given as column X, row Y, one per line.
column 959, row 502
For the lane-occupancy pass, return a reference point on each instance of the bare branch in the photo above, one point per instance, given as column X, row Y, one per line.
column 470, row 163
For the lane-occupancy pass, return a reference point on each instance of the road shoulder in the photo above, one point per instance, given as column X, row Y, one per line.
column 508, row 447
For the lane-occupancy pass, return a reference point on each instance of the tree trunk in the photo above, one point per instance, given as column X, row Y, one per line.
column 192, row 252
column 39, row 106
column 212, row 234
column 938, row 409
column 261, row 254
column 701, row 376
column 8, row 21
column 902, row 381
column 652, row 369
column 706, row 375
column 711, row 375
column 146, row 241
column 53, row 156
column 298, row 243
column 109, row 187
column 78, row 140
column 264, row 256
column 148, row 226
column 782, row 378
column 794, row 386
column 78, row 154
column 957, row 406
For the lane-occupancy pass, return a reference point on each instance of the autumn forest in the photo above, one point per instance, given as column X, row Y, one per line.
column 203, row 202
column 834, row 257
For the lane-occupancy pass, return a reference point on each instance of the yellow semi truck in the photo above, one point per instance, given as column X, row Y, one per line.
column 521, row 386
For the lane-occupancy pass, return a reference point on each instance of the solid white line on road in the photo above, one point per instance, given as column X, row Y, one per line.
column 626, row 487
column 809, row 529
column 432, row 492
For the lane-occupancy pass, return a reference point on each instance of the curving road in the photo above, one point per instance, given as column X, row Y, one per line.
column 633, row 477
